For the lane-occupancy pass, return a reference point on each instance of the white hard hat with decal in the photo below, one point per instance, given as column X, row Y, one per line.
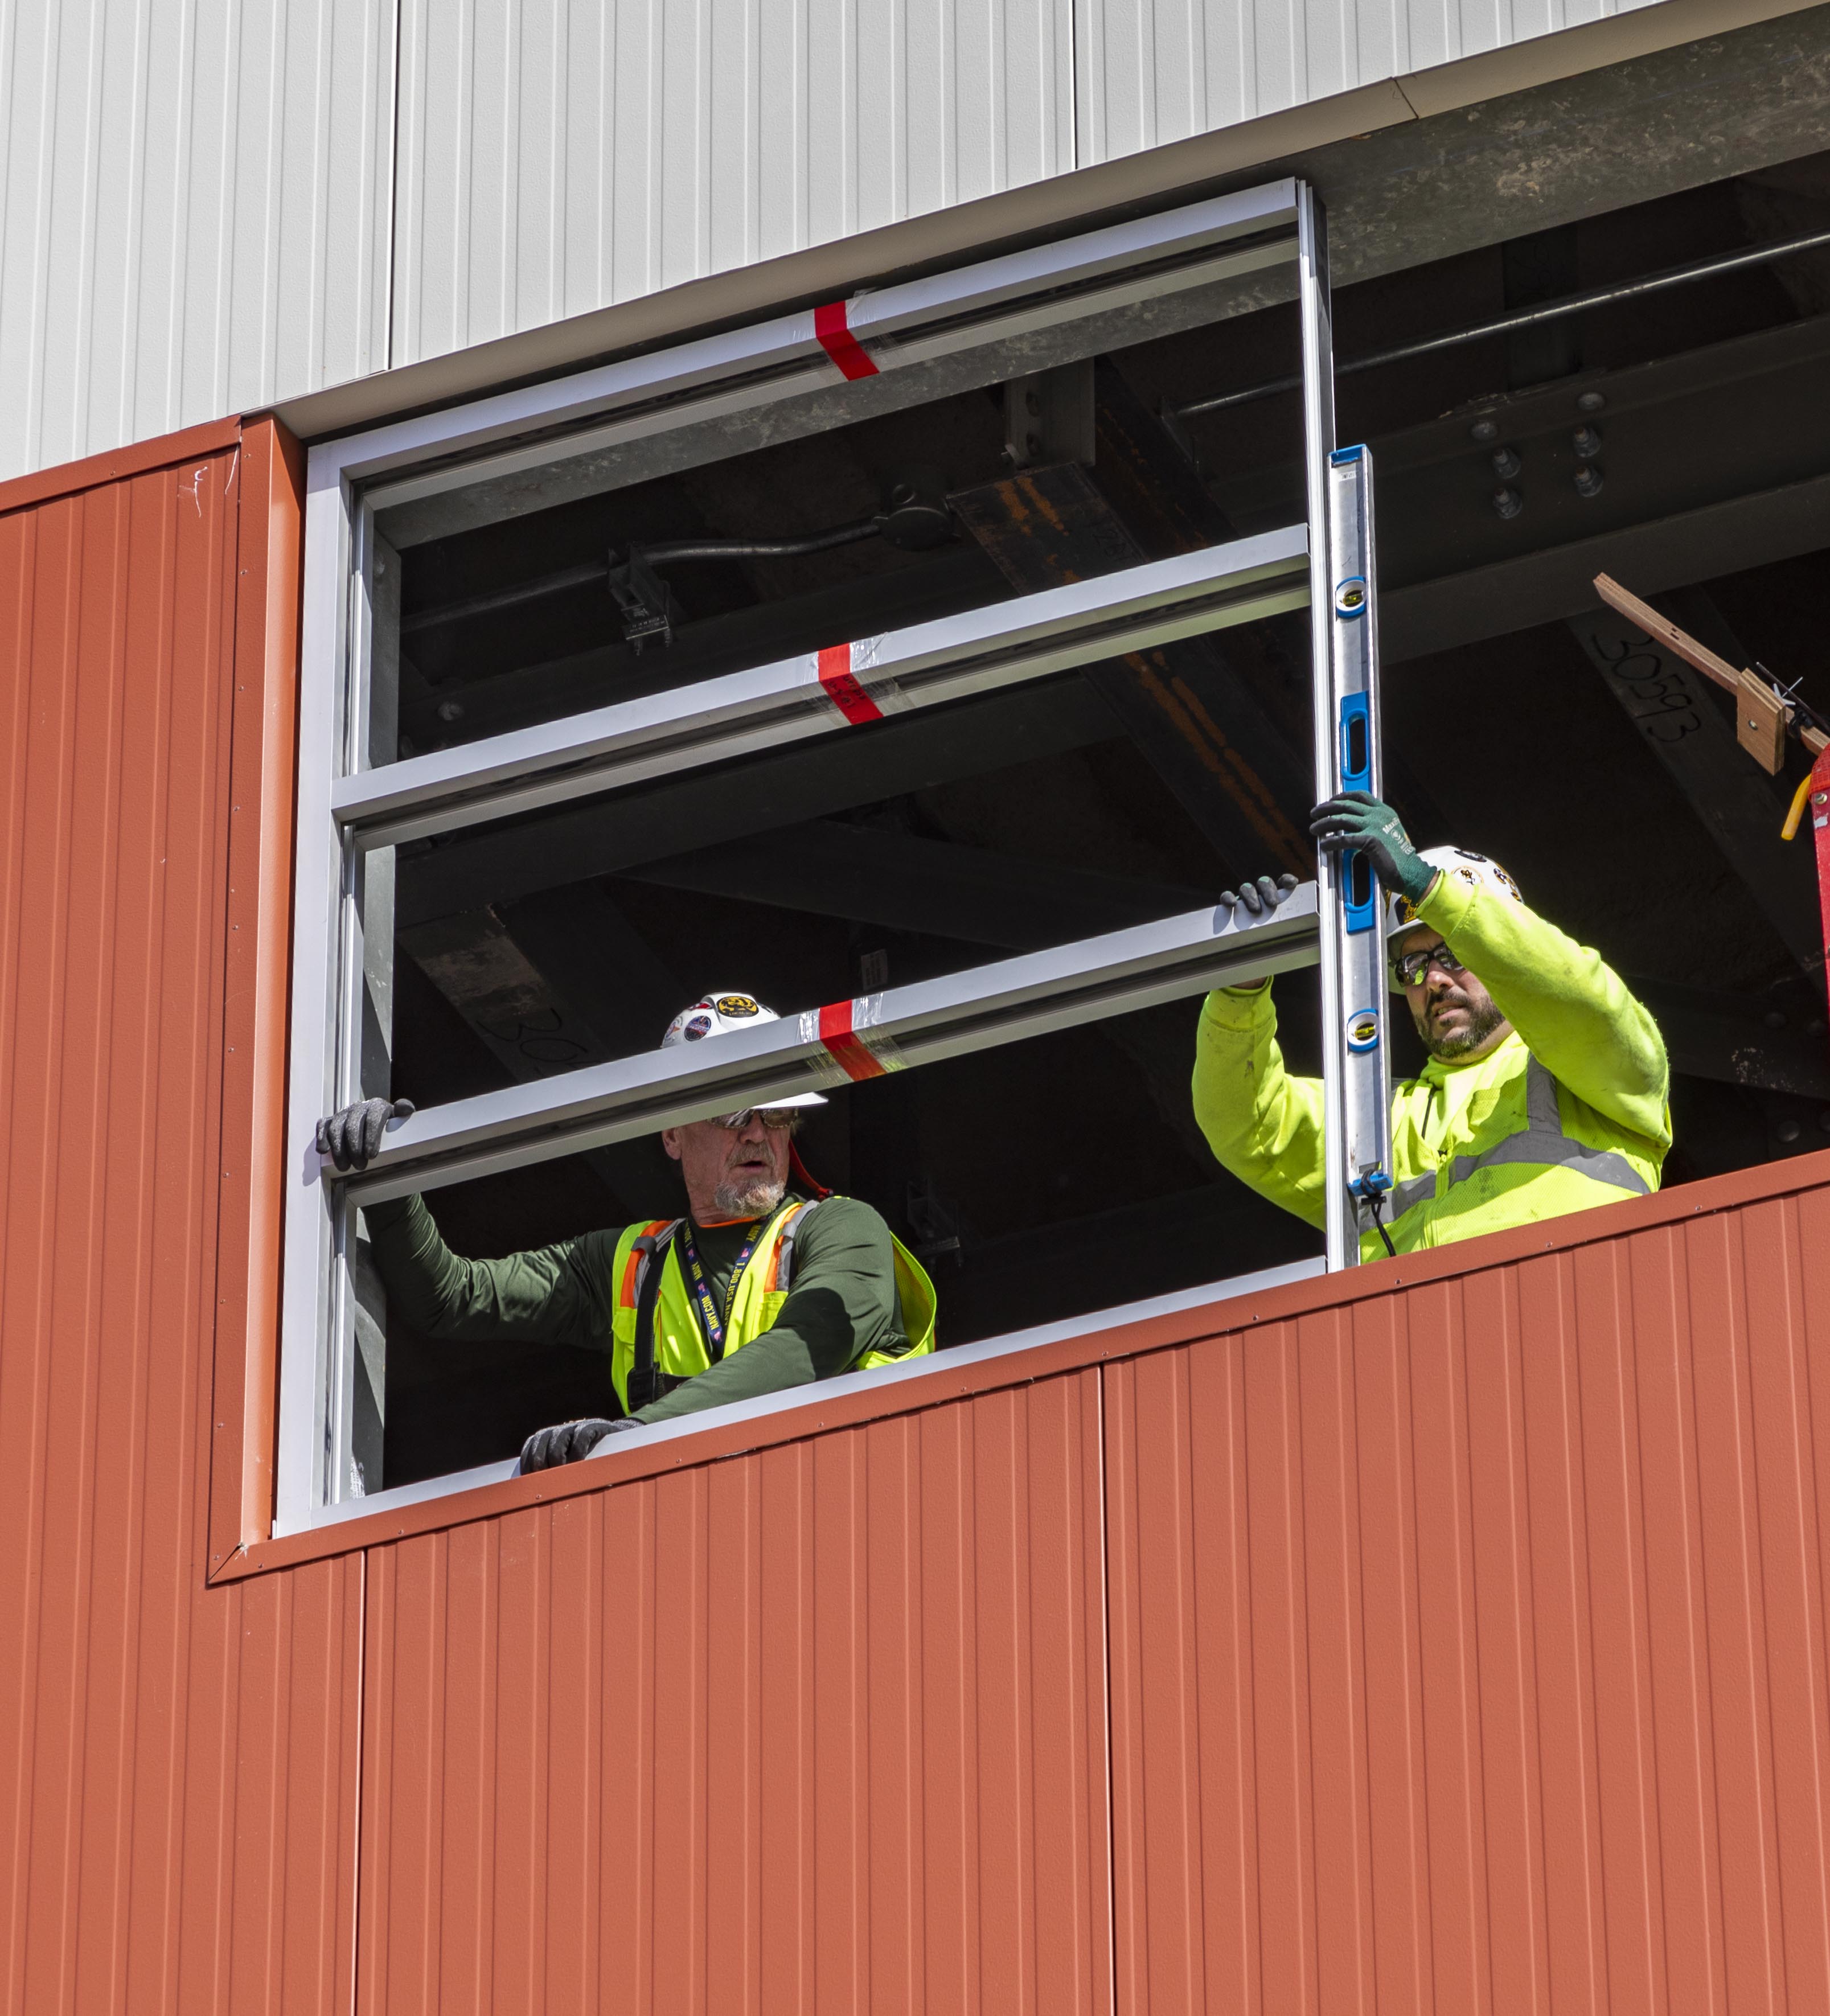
column 1475, row 869
column 715, row 1015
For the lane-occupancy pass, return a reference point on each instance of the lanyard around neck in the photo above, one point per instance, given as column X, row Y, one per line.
column 712, row 1319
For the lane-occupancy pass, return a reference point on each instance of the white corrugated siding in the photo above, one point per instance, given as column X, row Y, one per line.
column 208, row 206
column 557, row 155
column 194, row 204
column 1151, row 71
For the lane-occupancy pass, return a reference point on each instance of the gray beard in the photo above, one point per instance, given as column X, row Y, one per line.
column 1449, row 1047
column 756, row 1197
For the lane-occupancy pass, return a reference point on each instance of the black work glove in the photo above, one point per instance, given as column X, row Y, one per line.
column 1356, row 821
column 1258, row 898
column 571, row 1442
column 351, row 1137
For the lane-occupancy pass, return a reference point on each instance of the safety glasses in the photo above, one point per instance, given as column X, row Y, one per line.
column 1410, row 969
column 774, row 1117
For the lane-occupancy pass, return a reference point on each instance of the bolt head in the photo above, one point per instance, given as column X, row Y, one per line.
column 1788, row 1130
column 1588, row 480
column 1590, row 402
column 451, row 710
column 1774, row 1018
column 1484, row 430
column 1507, row 502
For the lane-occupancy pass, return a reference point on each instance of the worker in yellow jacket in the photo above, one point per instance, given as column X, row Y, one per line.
column 1546, row 1087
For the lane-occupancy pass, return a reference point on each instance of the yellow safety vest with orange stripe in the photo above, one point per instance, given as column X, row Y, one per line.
column 656, row 1338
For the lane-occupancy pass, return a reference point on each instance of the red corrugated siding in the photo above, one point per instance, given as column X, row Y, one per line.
column 1468, row 1645
column 822, row 1728
column 177, row 1765
column 1440, row 1644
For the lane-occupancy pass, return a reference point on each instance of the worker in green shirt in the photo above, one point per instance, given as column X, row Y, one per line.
column 1546, row 1087
column 767, row 1283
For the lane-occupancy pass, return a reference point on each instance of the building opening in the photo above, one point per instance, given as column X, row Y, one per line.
column 1674, row 438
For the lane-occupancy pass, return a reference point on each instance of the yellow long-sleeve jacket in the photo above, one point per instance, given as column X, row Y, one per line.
column 1570, row 1110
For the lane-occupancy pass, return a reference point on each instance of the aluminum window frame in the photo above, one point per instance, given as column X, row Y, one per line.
column 346, row 808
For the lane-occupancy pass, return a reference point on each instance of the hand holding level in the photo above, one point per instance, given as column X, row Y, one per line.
column 1356, row 821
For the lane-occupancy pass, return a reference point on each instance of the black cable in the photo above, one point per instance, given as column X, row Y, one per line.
column 659, row 555
column 504, row 598
column 1542, row 312
column 761, row 550
column 1375, row 1202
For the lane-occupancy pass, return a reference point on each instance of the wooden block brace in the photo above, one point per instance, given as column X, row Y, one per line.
column 1759, row 723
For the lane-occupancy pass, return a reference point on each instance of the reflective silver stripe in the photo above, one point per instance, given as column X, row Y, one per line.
column 1544, row 1141
column 1414, row 1190
column 1541, row 1141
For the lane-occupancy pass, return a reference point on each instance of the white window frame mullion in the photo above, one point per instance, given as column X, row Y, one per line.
column 306, row 1469
column 951, row 658
column 900, row 326
column 1004, row 1001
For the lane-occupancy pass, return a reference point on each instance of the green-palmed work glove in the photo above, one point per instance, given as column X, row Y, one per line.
column 1357, row 823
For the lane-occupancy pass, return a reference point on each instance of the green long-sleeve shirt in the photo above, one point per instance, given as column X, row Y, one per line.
column 1600, row 1128
column 842, row 1305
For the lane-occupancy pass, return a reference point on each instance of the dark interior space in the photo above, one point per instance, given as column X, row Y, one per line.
column 1054, row 1177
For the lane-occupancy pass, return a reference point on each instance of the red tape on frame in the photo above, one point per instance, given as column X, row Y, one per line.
column 839, row 343
column 843, row 689
column 835, row 1032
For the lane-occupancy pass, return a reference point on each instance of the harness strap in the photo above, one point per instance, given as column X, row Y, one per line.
column 784, row 1251
column 644, row 1384
column 1542, row 1140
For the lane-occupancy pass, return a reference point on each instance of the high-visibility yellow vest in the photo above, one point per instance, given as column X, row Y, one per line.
column 679, row 1349
column 1517, row 1147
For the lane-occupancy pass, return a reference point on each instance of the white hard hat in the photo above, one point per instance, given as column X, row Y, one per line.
column 715, row 1015
column 1475, row 869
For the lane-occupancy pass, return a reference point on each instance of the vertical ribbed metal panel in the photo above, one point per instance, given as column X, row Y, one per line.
column 1468, row 1644
column 1151, row 71
column 820, row 1727
column 194, row 212
column 178, row 1767
column 558, row 155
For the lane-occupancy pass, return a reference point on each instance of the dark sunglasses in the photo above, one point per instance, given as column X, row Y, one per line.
column 1411, row 968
